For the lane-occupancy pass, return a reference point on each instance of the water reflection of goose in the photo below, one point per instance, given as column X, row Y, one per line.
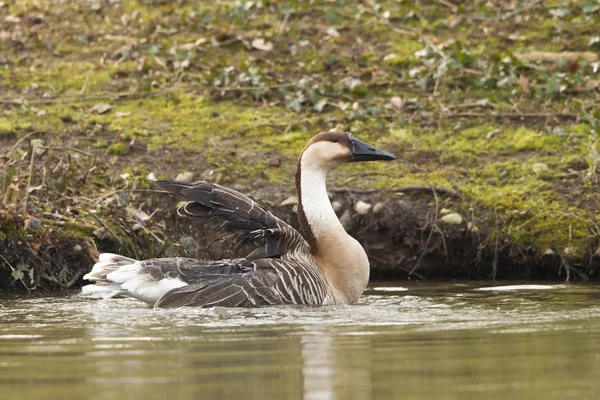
column 319, row 265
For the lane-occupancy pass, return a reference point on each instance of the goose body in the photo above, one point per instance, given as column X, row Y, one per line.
column 319, row 265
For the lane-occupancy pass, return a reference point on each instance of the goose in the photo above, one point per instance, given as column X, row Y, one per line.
column 319, row 265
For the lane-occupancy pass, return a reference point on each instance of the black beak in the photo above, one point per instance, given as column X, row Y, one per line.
column 364, row 152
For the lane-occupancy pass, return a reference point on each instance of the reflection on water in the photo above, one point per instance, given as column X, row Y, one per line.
column 435, row 341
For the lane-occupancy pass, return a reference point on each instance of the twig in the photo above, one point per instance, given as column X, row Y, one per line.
column 107, row 228
column 429, row 43
column 84, row 86
column 77, row 98
column 13, row 269
column 408, row 188
column 450, row 5
column 495, row 261
column 471, row 104
column 91, row 167
column 67, row 149
column 18, row 142
column 65, row 285
column 510, row 115
column 435, row 219
column 284, row 22
column 520, row 10
column 130, row 190
column 248, row 89
column 385, row 21
column 159, row 240
column 30, row 173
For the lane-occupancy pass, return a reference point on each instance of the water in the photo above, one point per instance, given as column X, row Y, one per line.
column 419, row 341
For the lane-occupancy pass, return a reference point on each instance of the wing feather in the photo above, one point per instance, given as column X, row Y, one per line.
column 222, row 208
column 268, row 282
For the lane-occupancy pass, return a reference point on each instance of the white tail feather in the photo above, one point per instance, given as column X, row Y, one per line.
column 117, row 275
column 107, row 263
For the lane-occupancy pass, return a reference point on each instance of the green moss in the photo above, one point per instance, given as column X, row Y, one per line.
column 118, row 149
column 402, row 51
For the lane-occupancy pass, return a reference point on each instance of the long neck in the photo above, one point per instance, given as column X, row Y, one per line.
column 341, row 258
column 318, row 221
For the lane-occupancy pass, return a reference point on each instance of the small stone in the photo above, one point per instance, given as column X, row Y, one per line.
column 331, row 31
column 397, row 103
column 337, row 206
column 452, row 219
column 185, row 176
column 539, row 167
column 379, row 207
column 136, row 227
column 445, row 211
column 101, row 108
column 261, row 44
column 295, row 208
column 549, row 252
column 346, row 219
column 290, row 201
column 362, row 208
column 67, row 119
column 77, row 248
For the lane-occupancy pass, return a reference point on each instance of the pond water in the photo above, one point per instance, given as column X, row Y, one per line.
column 417, row 341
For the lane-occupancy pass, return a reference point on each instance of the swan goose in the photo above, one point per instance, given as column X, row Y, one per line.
column 319, row 265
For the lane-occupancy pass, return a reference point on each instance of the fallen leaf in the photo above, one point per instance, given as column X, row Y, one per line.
column 190, row 46
column 101, row 108
column 261, row 44
column 319, row 105
column 121, row 114
column 331, row 31
column 140, row 215
column 397, row 103
column 524, row 83
column 17, row 274
column 101, row 233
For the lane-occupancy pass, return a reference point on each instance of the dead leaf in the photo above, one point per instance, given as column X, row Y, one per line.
column 101, row 108
column 121, row 114
column 139, row 215
column 331, row 31
column 101, row 233
column 397, row 103
column 524, row 83
column 191, row 46
column 261, row 44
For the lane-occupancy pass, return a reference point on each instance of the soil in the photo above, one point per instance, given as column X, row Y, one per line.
column 96, row 105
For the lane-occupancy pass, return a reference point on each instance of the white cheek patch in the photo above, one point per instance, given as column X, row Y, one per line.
column 325, row 153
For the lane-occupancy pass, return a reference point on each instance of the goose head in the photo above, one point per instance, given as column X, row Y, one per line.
column 330, row 149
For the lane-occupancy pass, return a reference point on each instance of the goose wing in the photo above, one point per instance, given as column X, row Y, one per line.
column 226, row 209
column 244, row 283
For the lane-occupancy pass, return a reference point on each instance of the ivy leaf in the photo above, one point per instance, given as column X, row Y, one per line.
column 17, row 274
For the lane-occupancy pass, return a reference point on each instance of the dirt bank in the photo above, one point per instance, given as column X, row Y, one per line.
column 493, row 104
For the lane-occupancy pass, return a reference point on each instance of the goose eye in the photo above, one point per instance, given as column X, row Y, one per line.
column 335, row 140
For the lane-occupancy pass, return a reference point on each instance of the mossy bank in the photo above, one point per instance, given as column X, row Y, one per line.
column 498, row 170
